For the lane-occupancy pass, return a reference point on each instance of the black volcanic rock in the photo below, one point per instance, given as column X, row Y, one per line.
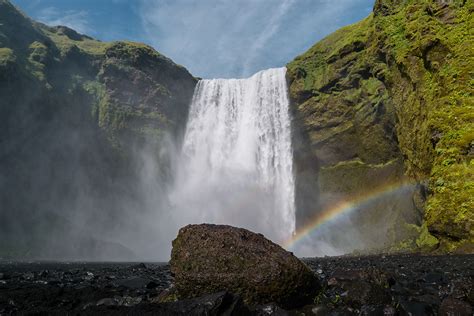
column 210, row 258
column 92, row 289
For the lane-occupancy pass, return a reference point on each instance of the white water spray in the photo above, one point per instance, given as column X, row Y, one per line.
column 236, row 165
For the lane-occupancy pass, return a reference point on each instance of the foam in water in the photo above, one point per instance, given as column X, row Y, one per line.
column 236, row 165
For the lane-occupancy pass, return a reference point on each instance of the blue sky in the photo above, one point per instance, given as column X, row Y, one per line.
column 212, row 38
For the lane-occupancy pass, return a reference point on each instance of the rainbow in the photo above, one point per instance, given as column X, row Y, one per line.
column 344, row 207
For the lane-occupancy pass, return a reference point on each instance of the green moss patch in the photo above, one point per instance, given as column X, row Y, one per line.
column 410, row 64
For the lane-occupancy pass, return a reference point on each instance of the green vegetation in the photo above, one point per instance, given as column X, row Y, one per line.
column 37, row 59
column 64, row 42
column 426, row 241
column 412, row 60
column 6, row 56
column 359, row 177
column 433, row 45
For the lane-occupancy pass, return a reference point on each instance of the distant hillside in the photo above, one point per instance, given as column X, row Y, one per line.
column 75, row 116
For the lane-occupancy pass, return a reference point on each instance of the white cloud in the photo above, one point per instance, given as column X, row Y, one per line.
column 228, row 38
column 267, row 33
column 77, row 20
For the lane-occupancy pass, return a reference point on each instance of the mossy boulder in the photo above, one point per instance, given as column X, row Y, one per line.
column 211, row 258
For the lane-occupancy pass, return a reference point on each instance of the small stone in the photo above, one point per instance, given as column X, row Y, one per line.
column 89, row 276
column 152, row 285
column 320, row 310
column 107, row 302
column 389, row 311
column 28, row 276
column 270, row 309
column 222, row 303
column 86, row 306
column 41, row 282
column 129, row 301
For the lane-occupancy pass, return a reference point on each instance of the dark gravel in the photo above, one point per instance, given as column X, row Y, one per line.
column 377, row 285
column 397, row 285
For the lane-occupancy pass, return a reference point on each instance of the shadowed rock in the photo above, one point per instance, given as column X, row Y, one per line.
column 210, row 258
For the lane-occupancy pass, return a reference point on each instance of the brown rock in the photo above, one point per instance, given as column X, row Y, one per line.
column 210, row 258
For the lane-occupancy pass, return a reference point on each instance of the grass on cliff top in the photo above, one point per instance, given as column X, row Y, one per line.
column 315, row 61
column 135, row 51
column 64, row 43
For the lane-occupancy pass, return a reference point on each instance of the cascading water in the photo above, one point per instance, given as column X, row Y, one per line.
column 236, row 165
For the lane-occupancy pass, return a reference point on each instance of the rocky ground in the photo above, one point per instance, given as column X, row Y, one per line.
column 377, row 285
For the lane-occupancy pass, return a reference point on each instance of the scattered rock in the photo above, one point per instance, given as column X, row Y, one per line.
column 418, row 285
column 134, row 283
column 433, row 278
column 319, row 310
column 361, row 287
column 454, row 307
column 222, row 303
column 415, row 308
column 89, row 276
column 269, row 309
column 371, row 310
column 208, row 258
column 167, row 295
column 128, row 300
column 140, row 266
column 152, row 285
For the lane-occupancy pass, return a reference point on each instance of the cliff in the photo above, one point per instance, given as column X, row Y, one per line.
column 388, row 101
column 77, row 116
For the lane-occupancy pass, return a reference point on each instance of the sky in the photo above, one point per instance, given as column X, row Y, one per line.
column 211, row 38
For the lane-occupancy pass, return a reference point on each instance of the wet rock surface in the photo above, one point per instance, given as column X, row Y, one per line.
column 377, row 285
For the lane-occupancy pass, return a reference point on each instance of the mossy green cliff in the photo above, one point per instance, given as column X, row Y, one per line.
column 76, row 117
column 390, row 100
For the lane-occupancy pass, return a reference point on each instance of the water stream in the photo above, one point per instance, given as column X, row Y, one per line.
column 236, row 165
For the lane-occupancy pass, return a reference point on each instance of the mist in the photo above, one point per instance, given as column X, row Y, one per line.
column 231, row 164
column 372, row 224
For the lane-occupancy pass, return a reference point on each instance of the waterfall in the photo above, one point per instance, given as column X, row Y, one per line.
column 236, row 165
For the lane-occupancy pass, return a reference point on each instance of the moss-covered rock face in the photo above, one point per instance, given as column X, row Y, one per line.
column 75, row 116
column 389, row 100
column 212, row 258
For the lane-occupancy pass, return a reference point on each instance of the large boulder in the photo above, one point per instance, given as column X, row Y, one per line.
column 210, row 258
